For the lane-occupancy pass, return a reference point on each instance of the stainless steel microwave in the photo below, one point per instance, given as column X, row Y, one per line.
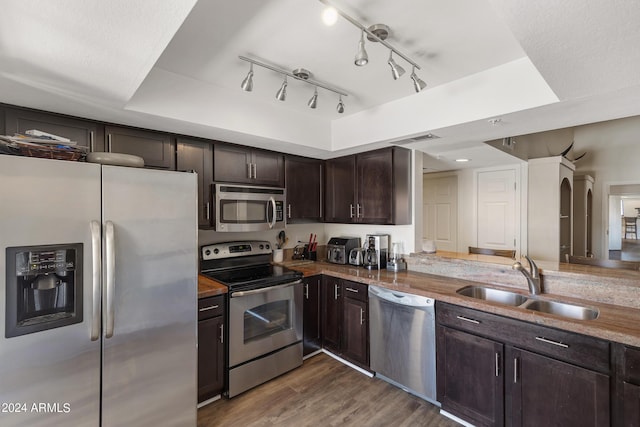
column 248, row 207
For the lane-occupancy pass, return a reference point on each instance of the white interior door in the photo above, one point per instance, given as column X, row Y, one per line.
column 440, row 211
column 497, row 209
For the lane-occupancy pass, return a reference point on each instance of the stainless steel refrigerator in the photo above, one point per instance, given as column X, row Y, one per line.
column 98, row 275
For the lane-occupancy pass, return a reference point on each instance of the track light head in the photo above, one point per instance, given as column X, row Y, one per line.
column 396, row 70
column 340, row 107
column 247, row 83
column 418, row 83
column 361, row 56
column 282, row 92
column 313, row 102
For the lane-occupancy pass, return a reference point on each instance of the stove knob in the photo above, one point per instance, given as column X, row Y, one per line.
column 261, row 246
column 267, row 246
column 207, row 252
column 216, row 251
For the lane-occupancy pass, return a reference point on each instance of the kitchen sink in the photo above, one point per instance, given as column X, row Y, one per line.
column 493, row 295
column 562, row 309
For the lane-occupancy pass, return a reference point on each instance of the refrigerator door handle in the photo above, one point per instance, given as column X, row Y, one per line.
column 111, row 278
column 96, row 277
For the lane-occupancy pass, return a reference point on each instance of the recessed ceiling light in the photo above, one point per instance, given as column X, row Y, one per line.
column 462, row 160
column 329, row 16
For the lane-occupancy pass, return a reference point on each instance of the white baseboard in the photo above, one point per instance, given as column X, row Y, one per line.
column 208, row 401
column 456, row 419
column 312, row 354
column 349, row 364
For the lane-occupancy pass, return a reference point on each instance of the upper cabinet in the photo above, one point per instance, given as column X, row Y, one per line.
column 156, row 148
column 244, row 165
column 303, row 183
column 85, row 133
column 369, row 188
column 582, row 215
column 198, row 156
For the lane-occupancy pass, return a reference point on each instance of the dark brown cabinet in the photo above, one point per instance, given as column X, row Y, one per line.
column 198, row 156
column 211, row 331
column 345, row 320
column 370, row 188
column 157, row 149
column 85, row 133
column 304, row 184
column 238, row 164
column 628, row 386
column 312, row 340
column 494, row 370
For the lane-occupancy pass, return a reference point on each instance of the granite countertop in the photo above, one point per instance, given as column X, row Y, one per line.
column 618, row 323
column 209, row 288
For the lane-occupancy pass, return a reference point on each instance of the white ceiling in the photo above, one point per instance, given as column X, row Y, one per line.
column 174, row 66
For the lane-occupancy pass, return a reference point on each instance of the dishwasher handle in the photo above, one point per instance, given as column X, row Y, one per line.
column 401, row 297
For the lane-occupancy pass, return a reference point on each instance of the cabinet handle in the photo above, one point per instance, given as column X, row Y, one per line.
column 352, row 290
column 358, row 211
column 91, row 140
column 545, row 340
column 497, row 364
column 306, row 290
column 466, row 319
column 211, row 307
column 255, row 170
column 335, row 291
column 222, row 334
column 109, row 143
column 249, row 170
column 207, row 211
column 515, row 370
column 361, row 316
column 289, row 210
column 351, row 214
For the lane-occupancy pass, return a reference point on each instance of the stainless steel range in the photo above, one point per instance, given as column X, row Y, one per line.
column 265, row 312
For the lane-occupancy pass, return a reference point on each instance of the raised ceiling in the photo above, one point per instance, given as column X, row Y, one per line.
column 174, row 66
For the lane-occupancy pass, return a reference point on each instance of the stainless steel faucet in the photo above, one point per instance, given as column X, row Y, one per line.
column 533, row 277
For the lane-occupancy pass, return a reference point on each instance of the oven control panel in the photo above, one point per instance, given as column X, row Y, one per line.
column 235, row 249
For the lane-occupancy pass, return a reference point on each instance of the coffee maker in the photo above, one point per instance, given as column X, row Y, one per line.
column 376, row 248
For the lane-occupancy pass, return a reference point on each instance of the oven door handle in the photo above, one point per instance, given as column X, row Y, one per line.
column 263, row 290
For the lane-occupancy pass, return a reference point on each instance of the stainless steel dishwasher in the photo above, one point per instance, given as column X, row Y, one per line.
column 403, row 341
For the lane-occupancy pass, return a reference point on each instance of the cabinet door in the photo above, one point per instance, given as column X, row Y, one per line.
column 210, row 358
column 268, row 168
column 311, row 322
column 303, row 178
column 355, row 333
column 631, row 402
column 155, row 148
column 375, row 187
column 470, row 376
column 231, row 164
column 547, row 392
column 331, row 313
column 83, row 132
column 198, row 156
column 339, row 193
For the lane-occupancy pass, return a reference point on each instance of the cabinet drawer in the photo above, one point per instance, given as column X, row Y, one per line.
column 632, row 365
column 581, row 350
column 210, row 307
column 355, row 290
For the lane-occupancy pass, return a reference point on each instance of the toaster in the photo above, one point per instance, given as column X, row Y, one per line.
column 356, row 256
column 339, row 248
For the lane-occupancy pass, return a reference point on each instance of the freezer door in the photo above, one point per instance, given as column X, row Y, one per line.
column 149, row 298
column 52, row 376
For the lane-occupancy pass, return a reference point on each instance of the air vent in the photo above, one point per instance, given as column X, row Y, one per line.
column 425, row 137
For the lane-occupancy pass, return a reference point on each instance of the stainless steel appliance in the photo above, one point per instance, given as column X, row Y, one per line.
column 356, row 256
column 339, row 248
column 248, row 207
column 98, row 294
column 403, row 341
column 376, row 248
column 395, row 262
column 264, row 337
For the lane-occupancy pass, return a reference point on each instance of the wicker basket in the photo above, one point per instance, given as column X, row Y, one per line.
column 52, row 152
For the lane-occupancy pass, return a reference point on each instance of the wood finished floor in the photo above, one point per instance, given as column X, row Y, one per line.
column 323, row 392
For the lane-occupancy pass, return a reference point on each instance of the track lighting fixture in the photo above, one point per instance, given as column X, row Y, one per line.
column 247, row 83
column 340, row 107
column 361, row 56
column 378, row 33
column 396, row 70
column 282, row 92
column 418, row 83
column 300, row 74
column 313, row 102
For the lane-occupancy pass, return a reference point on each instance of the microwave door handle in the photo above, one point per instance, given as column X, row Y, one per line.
column 273, row 205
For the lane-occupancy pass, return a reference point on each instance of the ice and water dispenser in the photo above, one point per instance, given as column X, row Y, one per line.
column 43, row 288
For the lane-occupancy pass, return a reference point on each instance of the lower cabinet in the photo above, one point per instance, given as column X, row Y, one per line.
column 345, row 319
column 312, row 340
column 628, row 384
column 211, row 326
column 498, row 371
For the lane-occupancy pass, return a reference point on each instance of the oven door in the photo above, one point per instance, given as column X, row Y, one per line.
column 248, row 208
column 264, row 320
